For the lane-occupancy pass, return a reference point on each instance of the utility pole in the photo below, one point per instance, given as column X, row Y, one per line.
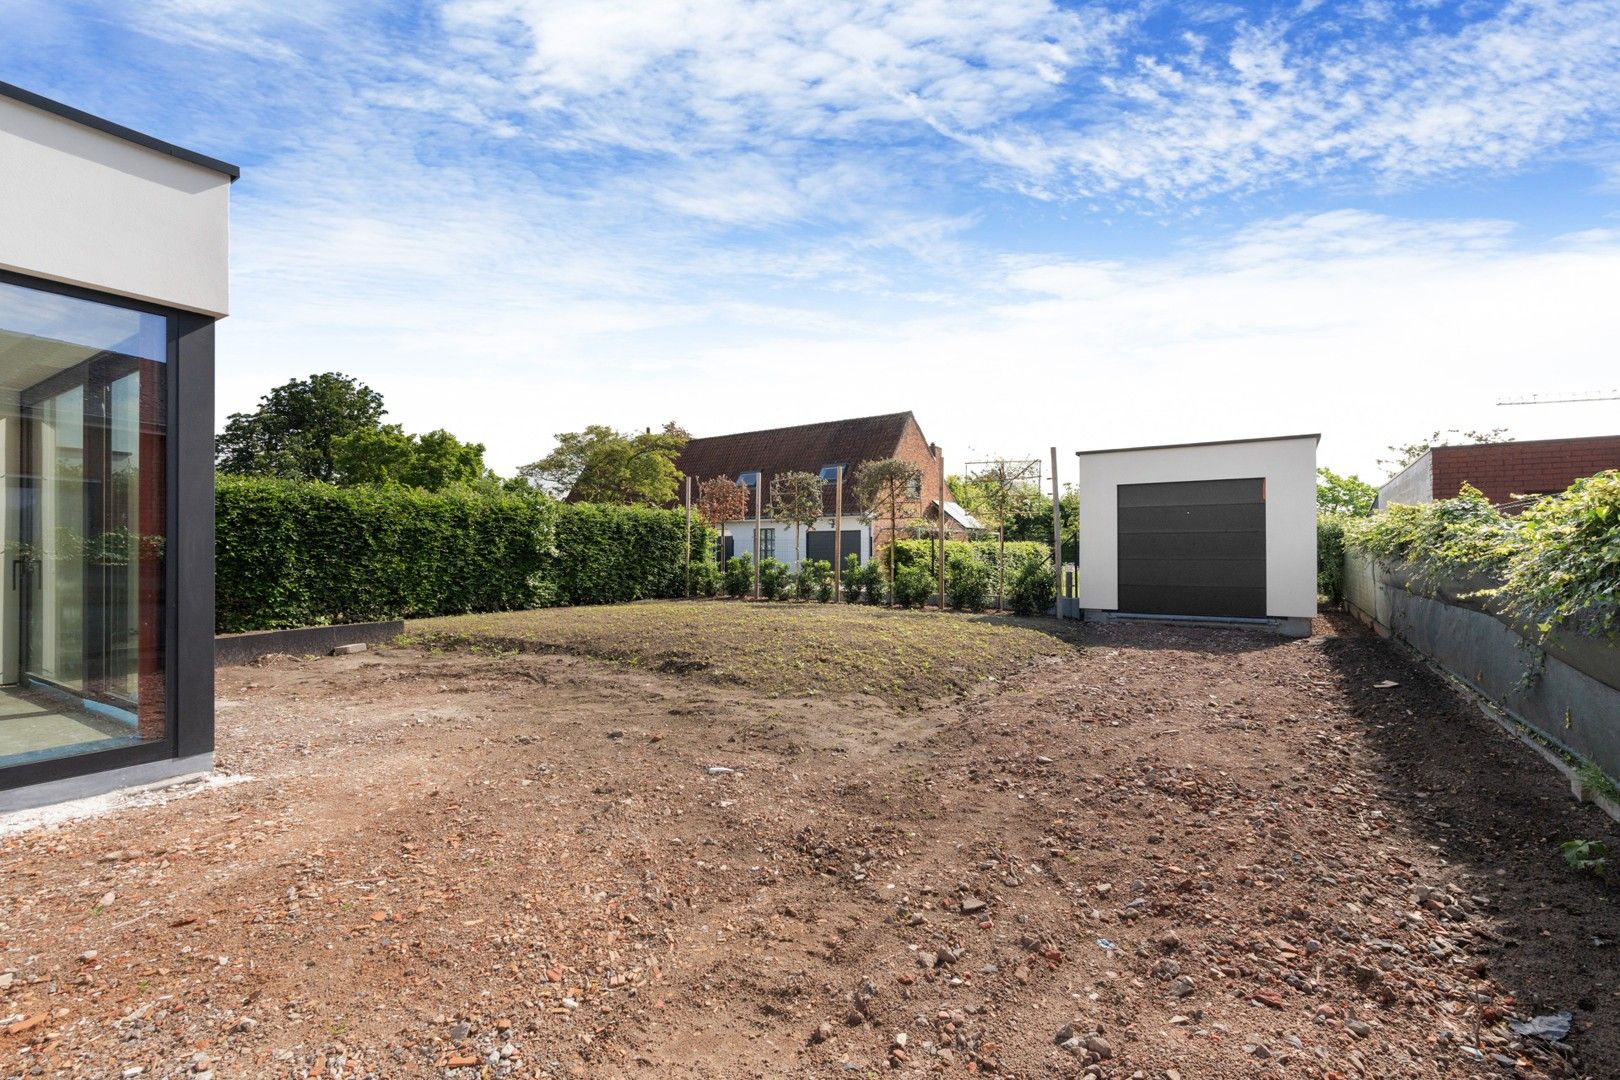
column 759, row 485
column 1057, row 538
column 689, row 538
column 940, row 456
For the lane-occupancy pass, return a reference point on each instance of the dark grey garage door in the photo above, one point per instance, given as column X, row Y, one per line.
column 819, row 545
column 1193, row 548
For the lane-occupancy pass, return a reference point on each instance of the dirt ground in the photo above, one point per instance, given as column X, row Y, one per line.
column 1181, row 852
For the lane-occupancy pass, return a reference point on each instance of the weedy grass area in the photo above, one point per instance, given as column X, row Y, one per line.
column 904, row 657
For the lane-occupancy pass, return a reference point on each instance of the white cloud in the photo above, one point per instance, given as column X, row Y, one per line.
column 1369, row 329
column 1491, row 95
column 527, row 216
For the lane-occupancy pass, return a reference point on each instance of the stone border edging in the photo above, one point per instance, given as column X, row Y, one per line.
column 232, row 649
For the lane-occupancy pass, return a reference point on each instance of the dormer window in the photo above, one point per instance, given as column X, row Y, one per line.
column 829, row 473
column 749, row 479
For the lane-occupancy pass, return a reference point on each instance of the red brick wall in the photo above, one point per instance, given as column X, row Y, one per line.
column 915, row 449
column 1503, row 470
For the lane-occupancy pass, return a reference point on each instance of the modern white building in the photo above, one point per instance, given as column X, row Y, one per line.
column 1215, row 531
column 113, row 252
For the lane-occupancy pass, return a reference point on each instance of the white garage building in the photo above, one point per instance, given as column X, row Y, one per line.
column 1215, row 531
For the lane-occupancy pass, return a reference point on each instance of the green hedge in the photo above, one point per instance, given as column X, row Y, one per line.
column 921, row 552
column 294, row 553
column 613, row 554
column 1556, row 565
column 1330, row 557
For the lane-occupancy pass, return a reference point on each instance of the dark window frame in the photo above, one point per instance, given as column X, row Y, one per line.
column 189, row 597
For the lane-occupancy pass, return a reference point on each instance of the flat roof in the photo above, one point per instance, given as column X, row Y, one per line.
column 1187, row 445
column 89, row 120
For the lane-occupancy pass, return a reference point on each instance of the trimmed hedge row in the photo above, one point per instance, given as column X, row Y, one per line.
column 1330, row 557
column 921, row 552
column 295, row 553
column 612, row 554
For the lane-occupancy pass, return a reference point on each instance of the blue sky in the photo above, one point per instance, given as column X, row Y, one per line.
column 1030, row 222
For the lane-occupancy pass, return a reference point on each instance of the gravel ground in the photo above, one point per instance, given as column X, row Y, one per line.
column 1164, row 853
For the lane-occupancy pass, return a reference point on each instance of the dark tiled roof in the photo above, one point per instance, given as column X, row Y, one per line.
column 805, row 448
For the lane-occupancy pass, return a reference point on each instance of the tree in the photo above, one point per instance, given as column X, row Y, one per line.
column 796, row 498
column 600, row 464
column 291, row 433
column 1403, row 454
column 1000, row 492
column 1337, row 494
column 720, row 500
column 386, row 455
column 888, row 487
column 1034, row 521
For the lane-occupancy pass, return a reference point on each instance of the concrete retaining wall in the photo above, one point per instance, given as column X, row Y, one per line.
column 1573, row 701
column 305, row 641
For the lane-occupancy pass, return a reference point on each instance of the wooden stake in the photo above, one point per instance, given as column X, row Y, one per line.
column 1057, row 538
column 838, row 533
column 689, row 538
column 941, row 560
column 759, row 485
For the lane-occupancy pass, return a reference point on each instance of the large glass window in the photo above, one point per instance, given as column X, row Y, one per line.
column 83, row 423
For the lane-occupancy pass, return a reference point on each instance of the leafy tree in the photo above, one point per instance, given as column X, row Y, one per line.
column 796, row 499
column 1337, row 494
column 290, row 434
column 602, row 465
column 1403, row 454
column 720, row 500
column 1034, row 521
column 999, row 493
column 884, row 488
column 386, row 455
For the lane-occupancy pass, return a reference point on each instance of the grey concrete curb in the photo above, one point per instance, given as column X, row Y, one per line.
column 230, row 649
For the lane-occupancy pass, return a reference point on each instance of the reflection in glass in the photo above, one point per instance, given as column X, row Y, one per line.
column 82, row 430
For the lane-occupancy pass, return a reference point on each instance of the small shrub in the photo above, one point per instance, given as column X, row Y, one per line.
column 814, row 579
column 739, row 575
column 1032, row 586
column 852, row 580
column 876, row 583
column 773, row 579
column 968, row 581
column 1586, row 856
column 706, row 579
column 913, row 586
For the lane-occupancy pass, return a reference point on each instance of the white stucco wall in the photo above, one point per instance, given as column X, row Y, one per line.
column 87, row 208
column 742, row 534
column 1289, row 468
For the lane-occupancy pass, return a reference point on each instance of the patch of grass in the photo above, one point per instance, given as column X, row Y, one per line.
column 1595, row 779
column 787, row 649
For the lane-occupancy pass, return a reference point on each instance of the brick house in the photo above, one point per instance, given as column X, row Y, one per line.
column 1503, row 471
column 756, row 458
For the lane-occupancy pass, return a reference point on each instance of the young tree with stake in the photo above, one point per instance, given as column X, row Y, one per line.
column 718, row 501
column 889, row 488
column 796, row 499
column 1000, row 491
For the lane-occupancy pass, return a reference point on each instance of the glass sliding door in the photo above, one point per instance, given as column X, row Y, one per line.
column 83, row 420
